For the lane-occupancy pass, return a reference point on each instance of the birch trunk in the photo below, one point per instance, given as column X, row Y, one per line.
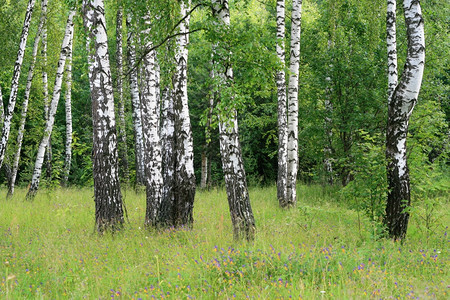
column 282, row 112
column 167, row 208
column 48, row 157
column 400, row 108
column 65, row 48
column 15, row 166
column 136, row 106
column 150, row 126
column 206, row 161
column 2, row 109
column 328, row 125
column 15, row 82
column 68, row 106
column 184, row 153
column 230, row 148
column 391, row 32
column 292, row 150
column 108, row 198
column 123, row 149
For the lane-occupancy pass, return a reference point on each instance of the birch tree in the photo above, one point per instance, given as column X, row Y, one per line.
column 401, row 103
column 48, row 153
column 282, row 112
column 206, row 160
column 135, row 104
column 68, row 106
column 167, row 207
column 230, row 148
column 184, row 153
column 123, row 148
column 292, row 149
column 65, row 49
column 108, row 197
column 328, row 125
column 15, row 81
column 150, row 125
column 2, row 109
column 23, row 115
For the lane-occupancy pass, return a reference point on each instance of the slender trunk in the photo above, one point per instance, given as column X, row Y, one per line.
column 68, row 105
column 167, row 208
column 150, row 126
column 400, row 108
column 15, row 82
column 48, row 154
column 65, row 48
column 123, row 148
column 184, row 151
column 108, row 198
column 15, row 166
column 282, row 112
column 230, row 148
column 328, row 149
column 206, row 162
column 328, row 125
column 2, row 109
column 292, row 151
column 136, row 106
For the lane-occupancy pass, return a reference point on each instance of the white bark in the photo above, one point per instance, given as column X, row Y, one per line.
column 68, row 106
column 123, row 149
column 108, row 197
column 150, row 126
column 292, row 151
column 184, row 152
column 206, row 148
column 282, row 107
column 136, row 105
column 65, row 48
column 400, row 108
column 391, row 47
column 230, row 148
column 2, row 109
column 48, row 153
column 328, row 124
column 15, row 82
column 26, row 99
column 167, row 209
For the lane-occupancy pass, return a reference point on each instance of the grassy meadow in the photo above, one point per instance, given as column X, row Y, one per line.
column 322, row 249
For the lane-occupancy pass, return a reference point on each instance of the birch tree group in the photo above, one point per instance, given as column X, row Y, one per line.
column 156, row 95
column 288, row 106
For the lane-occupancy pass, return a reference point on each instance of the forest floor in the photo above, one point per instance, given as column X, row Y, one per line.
column 323, row 249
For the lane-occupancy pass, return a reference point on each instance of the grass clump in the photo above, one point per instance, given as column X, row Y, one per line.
column 321, row 249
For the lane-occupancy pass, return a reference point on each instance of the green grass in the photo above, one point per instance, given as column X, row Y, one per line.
column 321, row 249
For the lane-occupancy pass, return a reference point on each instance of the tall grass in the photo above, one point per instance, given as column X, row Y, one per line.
column 321, row 249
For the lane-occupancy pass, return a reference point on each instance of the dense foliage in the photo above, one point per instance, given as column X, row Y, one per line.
column 343, row 40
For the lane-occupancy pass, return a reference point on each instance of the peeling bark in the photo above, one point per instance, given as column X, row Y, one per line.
column 15, row 166
column 65, row 48
column 292, row 150
column 230, row 148
column 108, row 197
column 401, row 105
column 15, row 81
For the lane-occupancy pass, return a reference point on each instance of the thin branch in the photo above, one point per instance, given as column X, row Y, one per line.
column 148, row 50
